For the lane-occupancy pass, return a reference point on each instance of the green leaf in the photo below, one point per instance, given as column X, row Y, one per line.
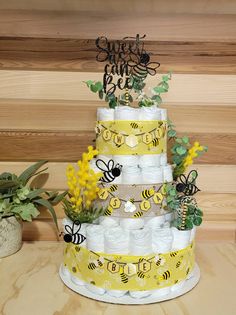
column 198, row 212
column 99, row 86
column 185, row 140
column 35, row 193
column 171, row 133
column 197, row 220
column 93, row 88
column 100, row 94
column 59, row 198
column 30, row 171
column 160, row 89
column 189, row 224
column 47, row 204
column 181, row 150
column 26, row 211
column 88, row 83
column 7, row 184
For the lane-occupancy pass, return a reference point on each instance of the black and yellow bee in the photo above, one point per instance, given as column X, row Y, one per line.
column 138, row 214
column 159, row 262
column 134, row 125
column 113, row 188
column 131, row 200
column 108, row 211
column 166, row 275
column 124, row 277
column 147, row 193
column 100, row 263
column 92, row 266
column 141, row 275
column 155, row 142
column 173, row 254
column 178, row 264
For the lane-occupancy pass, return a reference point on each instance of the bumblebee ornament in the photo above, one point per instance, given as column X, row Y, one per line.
column 187, row 184
column 73, row 235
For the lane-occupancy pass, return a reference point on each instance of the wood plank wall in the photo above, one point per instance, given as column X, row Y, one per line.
column 46, row 112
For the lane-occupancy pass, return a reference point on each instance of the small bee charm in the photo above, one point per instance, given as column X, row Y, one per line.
column 74, row 236
column 186, row 185
column 110, row 170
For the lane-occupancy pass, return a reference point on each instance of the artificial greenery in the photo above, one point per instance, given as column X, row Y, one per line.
column 138, row 86
column 87, row 215
column 174, row 202
column 18, row 199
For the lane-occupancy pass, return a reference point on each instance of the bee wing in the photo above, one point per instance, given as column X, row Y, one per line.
column 192, row 177
column 110, row 164
column 151, row 67
column 68, row 229
column 78, row 227
column 102, row 165
column 183, row 179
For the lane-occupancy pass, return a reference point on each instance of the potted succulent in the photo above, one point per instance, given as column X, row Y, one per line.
column 21, row 202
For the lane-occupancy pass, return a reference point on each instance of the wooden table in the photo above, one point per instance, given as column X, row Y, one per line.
column 29, row 284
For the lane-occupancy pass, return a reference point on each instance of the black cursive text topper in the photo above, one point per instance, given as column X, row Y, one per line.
column 124, row 59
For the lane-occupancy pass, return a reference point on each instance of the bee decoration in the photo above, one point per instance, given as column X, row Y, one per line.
column 144, row 67
column 110, row 170
column 187, row 184
column 73, row 235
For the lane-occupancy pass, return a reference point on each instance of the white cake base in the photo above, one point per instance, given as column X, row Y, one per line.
column 127, row 299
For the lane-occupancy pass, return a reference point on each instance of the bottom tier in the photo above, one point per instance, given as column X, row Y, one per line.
column 152, row 297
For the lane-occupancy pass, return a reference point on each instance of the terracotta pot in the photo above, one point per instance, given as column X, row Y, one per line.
column 10, row 236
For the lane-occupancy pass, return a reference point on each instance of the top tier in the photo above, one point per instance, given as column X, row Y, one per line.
column 126, row 130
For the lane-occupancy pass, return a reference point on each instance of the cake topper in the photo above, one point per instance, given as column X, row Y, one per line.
column 186, row 185
column 125, row 59
column 73, row 235
column 110, row 170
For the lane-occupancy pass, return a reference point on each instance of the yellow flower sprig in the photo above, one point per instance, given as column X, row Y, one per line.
column 83, row 183
column 193, row 152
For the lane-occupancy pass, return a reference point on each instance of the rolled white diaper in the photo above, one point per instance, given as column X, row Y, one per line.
column 116, row 241
column 163, row 114
column 127, row 160
column 181, row 238
column 169, row 216
column 193, row 234
column 161, row 292
column 93, row 166
column 149, row 160
column 163, row 159
column 108, row 222
column 152, row 175
column 162, row 240
column 105, row 114
column 177, row 286
column 141, row 242
column 155, row 222
column 126, row 113
column 116, row 293
column 104, row 158
column 167, row 173
column 139, row 294
column 131, row 175
column 76, row 280
column 95, row 237
column 150, row 113
column 95, row 290
column 131, row 224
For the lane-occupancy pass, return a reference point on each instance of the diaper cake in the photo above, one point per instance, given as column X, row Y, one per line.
column 131, row 212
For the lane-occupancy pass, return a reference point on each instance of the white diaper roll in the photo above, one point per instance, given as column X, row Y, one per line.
column 152, row 175
column 161, row 292
column 127, row 160
column 118, row 180
column 108, row 222
column 93, row 166
column 169, row 216
column 116, row 293
column 162, row 240
column 95, row 237
column 126, row 113
column 181, row 238
column 149, row 160
column 132, row 224
column 150, row 113
column 95, row 290
column 116, row 241
column 193, row 234
column 163, row 159
column 65, row 271
column 131, row 175
column 139, row 294
column 163, row 114
column 105, row 114
column 155, row 222
column 141, row 242
column 105, row 158
column 76, row 280
column 167, row 173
